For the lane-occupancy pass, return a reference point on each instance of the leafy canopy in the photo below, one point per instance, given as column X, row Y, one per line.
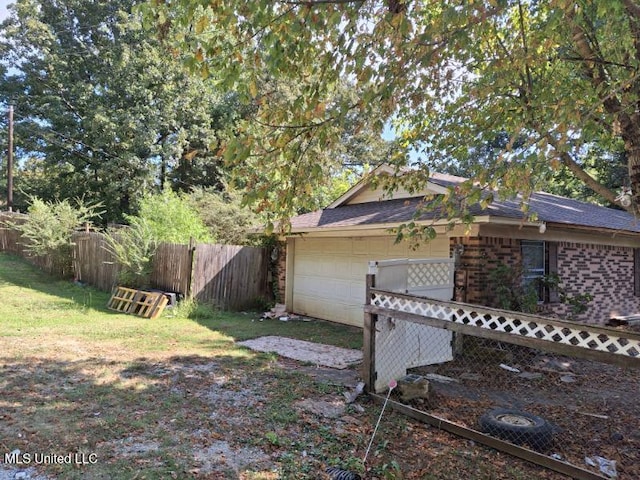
column 171, row 218
column 226, row 218
column 555, row 76
column 101, row 110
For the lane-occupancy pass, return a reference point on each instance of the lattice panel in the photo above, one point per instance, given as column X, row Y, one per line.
column 565, row 334
column 428, row 274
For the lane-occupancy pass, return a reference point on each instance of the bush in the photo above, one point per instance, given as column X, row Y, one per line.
column 134, row 246
column 171, row 218
column 48, row 230
column 229, row 221
column 165, row 217
column 511, row 293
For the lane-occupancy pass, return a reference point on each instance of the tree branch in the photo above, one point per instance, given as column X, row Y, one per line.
column 634, row 24
column 598, row 61
column 580, row 174
column 304, row 126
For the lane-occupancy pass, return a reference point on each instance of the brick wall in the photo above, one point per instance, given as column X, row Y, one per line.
column 604, row 271
column 280, row 272
column 480, row 255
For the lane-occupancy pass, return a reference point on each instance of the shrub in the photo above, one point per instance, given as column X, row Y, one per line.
column 171, row 218
column 511, row 293
column 164, row 217
column 48, row 229
column 228, row 220
column 134, row 247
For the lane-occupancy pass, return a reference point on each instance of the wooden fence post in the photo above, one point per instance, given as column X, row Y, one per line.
column 369, row 340
column 192, row 259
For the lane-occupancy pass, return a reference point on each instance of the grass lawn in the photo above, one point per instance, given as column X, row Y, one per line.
column 175, row 397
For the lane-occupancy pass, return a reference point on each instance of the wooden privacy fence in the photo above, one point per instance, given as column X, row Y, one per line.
column 228, row 276
column 11, row 242
column 9, row 237
column 93, row 263
column 172, row 268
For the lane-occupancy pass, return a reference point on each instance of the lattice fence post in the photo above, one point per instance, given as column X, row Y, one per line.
column 369, row 340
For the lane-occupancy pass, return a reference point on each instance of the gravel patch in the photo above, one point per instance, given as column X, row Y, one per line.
column 10, row 473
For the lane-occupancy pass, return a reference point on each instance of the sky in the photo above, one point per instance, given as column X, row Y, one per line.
column 3, row 8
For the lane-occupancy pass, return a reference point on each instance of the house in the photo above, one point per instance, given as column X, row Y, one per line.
column 592, row 249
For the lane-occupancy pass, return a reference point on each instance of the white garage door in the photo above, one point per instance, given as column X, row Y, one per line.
column 329, row 273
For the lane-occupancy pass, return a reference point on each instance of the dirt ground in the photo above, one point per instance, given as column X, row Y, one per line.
column 204, row 418
column 219, row 418
column 592, row 407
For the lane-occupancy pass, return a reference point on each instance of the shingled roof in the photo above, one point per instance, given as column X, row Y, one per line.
column 552, row 209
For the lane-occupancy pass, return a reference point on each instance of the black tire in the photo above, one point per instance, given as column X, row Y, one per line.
column 518, row 427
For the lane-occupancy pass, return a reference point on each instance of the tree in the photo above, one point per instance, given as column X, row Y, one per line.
column 172, row 218
column 228, row 220
column 102, row 110
column 286, row 169
column 48, row 229
column 162, row 217
column 557, row 76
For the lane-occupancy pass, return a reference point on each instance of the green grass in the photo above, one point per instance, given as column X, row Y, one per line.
column 159, row 399
column 34, row 303
column 245, row 325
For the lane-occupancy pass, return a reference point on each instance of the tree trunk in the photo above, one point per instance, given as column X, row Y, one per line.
column 633, row 154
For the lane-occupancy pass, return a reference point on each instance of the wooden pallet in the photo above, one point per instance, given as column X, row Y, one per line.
column 122, row 299
column 149, row 304
column 138, row 302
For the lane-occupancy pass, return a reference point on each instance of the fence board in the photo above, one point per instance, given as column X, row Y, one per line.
column 9, row 237
column 93, row 263
column 172, row 268
column 230, row 276
column 12, row 242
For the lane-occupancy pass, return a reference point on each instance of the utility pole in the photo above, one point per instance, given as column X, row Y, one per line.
column 10, row 162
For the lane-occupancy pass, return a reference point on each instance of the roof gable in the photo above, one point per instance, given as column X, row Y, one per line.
column 364, row 191
column 364, row 206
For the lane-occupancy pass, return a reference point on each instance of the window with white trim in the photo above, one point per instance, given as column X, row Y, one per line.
column 533, row 265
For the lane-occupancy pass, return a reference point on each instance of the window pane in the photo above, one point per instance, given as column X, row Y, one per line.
column 533, row 265
column 533, row 257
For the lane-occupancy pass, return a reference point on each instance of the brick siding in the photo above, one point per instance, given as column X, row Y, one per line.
column 606, row 272
column 280, row 272
column 480, row 256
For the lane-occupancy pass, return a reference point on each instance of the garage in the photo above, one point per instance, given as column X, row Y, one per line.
column 329, row 272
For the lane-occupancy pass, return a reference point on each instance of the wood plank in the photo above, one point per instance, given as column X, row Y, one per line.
column 369, row 339
column 515, row 450
column 229, row 276
column 524, row 317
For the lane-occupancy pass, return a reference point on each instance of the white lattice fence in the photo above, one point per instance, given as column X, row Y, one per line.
column 539, row 328
column 415, row 275
column 524, row 380
column 430, row 273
